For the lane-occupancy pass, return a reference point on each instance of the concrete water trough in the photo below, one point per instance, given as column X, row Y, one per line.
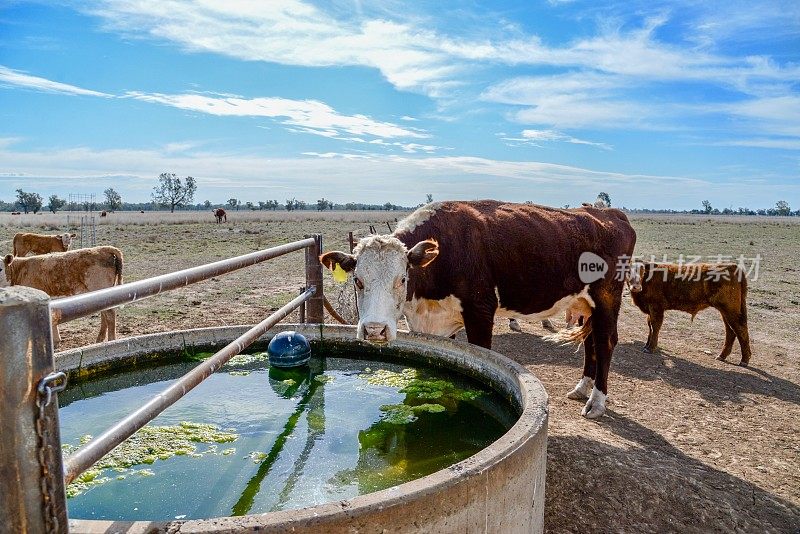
column 499, row 489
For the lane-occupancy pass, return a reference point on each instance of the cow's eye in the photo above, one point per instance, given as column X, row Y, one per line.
column 358, row 282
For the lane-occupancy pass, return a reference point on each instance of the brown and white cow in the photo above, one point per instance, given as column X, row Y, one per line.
column 63, row 274
column 25, row 243
column 657, row 287
column 454, row 265
column 220, row 215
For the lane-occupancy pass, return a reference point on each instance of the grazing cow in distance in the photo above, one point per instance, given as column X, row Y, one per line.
column 16, row 213
column 657, row 287
column 141, row 211
column 103, row 213
column 220, row 214
column 25, row 243
column 63, row 274
column 454, row 265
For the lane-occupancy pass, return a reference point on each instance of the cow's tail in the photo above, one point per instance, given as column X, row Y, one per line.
column 117, row 266
column 575, row 335
column 14, row 247
column 742, row 295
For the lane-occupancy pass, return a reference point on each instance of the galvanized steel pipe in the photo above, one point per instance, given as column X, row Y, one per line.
column 93, row 451
column 69, row 308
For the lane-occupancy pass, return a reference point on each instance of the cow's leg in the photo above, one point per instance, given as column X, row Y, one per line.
column 584, row 387
column 730, row 335
column 740, row 328
column 604, row 332
column 103, row 327
column 479, row 321
column 56, row 335
column 654, row 321
column 107, row 325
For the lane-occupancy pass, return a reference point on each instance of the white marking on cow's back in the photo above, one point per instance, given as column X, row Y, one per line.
column 417, row 218
column 439, row 317
column 559, row 307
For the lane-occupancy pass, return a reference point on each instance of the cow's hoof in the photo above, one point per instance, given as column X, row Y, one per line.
column 647, row 350
column 721, row 358
column 582, row 389
column 744, row 363
column 577, row 394
column 593, row 411
column 596, row 405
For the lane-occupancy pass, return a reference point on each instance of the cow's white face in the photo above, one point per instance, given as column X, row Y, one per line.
column 66, row 239
column 379, row 266
column 635, row 274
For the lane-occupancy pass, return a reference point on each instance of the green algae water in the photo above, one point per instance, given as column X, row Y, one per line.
column 251, row 439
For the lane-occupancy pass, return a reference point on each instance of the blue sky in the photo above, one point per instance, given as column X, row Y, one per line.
column 660, row 104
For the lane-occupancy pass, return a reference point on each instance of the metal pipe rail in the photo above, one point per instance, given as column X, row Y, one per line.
column 86, row 456
column 69, row 308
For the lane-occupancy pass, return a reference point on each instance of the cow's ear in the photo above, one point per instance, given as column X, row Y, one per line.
column 345, row 261
column 423, row 253
column 73, row 235
column 7, row 260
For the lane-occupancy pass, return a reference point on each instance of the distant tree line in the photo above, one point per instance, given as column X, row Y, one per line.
column 175, row 193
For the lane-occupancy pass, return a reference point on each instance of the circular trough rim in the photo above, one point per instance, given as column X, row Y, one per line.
column 515, row 379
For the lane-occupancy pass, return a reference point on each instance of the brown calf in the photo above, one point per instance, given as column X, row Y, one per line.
column 25, row 243
column 657, row 287
column 63, row 274
column 220, row 215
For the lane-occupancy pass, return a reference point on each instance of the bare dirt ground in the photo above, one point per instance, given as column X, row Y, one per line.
column 689, row 444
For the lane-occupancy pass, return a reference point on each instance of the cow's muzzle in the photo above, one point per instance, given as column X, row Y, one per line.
column 376, row 332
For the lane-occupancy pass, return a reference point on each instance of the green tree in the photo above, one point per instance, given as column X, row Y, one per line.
column 173, row 192
column 113, row 199
column 290, row 204
column 323, row 204
column 707, row 206
column 605, row 198
column 782, row 208
column 29, row 201
column 54, row 203
column 233, row 203
column 429, row 198
column 207, row 204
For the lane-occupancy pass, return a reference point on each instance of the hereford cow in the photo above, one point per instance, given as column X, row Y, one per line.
column 63, row 274
column 25, row 243
column 453, row 265
column 220, row 214
column 657, row 287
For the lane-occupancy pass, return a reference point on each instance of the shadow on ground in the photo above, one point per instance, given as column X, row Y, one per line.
column 672, row 492
column 713, row 384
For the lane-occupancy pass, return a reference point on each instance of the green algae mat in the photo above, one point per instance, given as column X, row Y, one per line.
column 251, row 439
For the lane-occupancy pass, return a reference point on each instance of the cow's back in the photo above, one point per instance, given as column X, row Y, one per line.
column 529, row 253
column 68, row 273
column 691, row 288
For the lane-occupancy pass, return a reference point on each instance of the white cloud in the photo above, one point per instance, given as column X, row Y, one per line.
column 537, row 137
column 309, row 116
column 20, row 79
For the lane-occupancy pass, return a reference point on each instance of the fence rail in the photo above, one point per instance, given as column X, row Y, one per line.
column 69, row 308
column 86, row 456
column 30, row 445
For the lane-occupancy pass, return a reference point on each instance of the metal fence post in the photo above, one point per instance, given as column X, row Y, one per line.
column 315, row 307
column 31, row 468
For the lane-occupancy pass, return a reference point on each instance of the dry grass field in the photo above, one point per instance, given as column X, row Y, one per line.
column 689, row 444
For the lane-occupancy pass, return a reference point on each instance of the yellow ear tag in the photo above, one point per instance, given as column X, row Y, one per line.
column 339, row 274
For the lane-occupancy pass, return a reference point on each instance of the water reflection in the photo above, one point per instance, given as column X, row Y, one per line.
column 286, row 383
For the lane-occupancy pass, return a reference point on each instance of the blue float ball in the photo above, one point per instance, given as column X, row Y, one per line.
column 289, row 349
